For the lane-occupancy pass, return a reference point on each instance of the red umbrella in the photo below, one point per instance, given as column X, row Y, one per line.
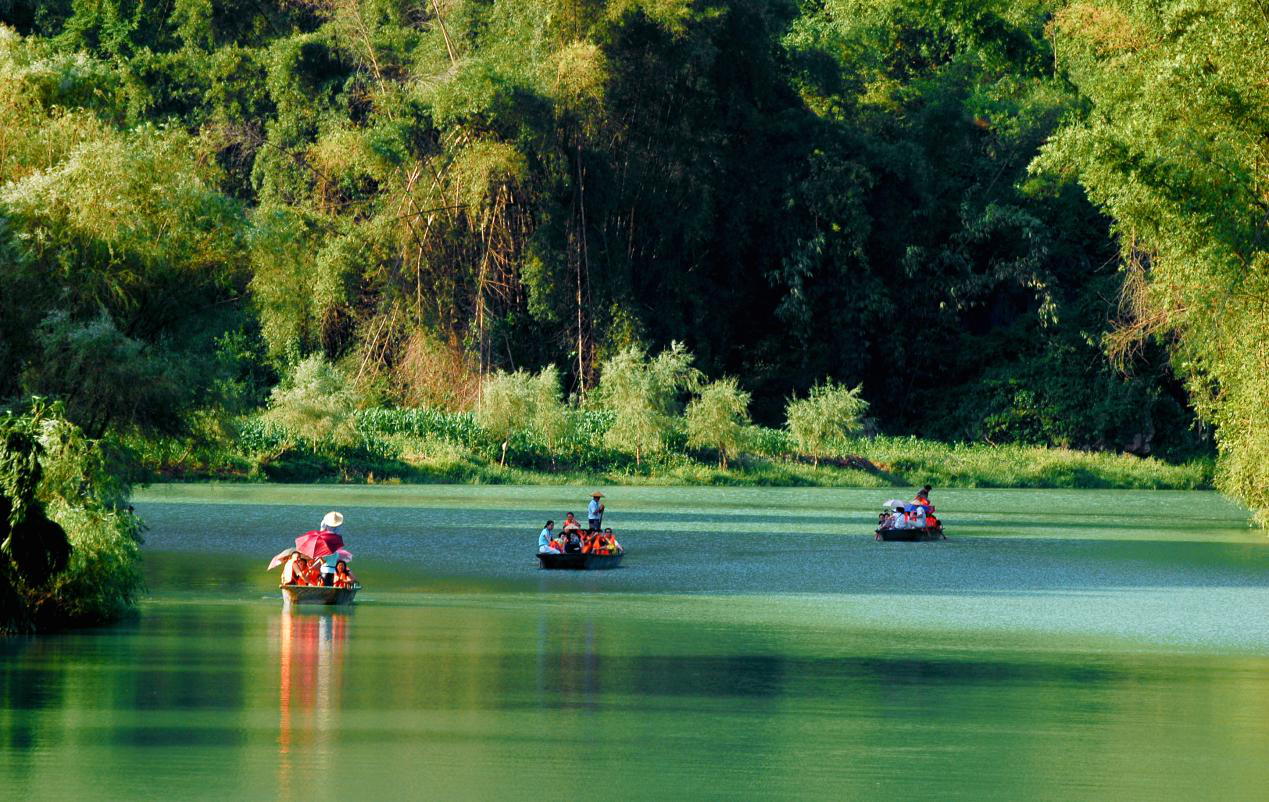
column 318, row 544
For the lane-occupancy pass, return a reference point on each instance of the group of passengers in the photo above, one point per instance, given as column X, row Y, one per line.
column 916, row 514
column 300, row 570
column 573, row 539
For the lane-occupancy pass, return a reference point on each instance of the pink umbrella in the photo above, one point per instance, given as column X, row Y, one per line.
column 280, row 558
column 318, row 544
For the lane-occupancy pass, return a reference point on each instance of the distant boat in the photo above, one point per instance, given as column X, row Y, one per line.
column 312, row 594
column 579, row 562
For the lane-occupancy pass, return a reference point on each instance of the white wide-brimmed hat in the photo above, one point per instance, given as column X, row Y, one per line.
column 333, row 520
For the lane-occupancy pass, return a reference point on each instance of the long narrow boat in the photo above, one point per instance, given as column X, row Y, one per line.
column 311, row 594
column 579, row 562
column 911, row 535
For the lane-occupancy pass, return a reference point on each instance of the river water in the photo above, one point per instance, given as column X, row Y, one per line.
column 755, row 644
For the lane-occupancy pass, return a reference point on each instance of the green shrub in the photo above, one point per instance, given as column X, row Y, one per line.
column 822, row 423
column 718, row 418
column 643, row 395
column 314, row 403
column 70, row 550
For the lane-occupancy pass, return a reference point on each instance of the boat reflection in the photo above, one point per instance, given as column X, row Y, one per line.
column 311, row 655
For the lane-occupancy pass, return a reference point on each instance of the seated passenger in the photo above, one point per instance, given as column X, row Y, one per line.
column 546, row 539
column 572, row 543
column 299, row 567
column 916, row 518
column 288, row 570
column 612, row 541
column 571, row 523
column 897, row 519
column 343, row 577
column 313, row 574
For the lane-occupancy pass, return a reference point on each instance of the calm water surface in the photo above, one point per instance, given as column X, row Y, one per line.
column 756, row 644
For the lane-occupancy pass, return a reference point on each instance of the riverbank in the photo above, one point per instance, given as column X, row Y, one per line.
column 451, row 452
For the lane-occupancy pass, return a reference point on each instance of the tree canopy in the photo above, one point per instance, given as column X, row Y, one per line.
column 1174, row 147
column 197, row 197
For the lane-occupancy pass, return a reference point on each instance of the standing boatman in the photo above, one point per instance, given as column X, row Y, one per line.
column 595, row 512
column 330, row 523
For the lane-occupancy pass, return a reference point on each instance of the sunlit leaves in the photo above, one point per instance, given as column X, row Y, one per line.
column 1174, row 149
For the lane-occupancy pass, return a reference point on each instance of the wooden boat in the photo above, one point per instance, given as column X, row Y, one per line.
column 311, row 594
column 579, row 562
column 911, row 535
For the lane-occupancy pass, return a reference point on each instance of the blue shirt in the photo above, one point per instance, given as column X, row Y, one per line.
column 592, row 511
column 544, row 539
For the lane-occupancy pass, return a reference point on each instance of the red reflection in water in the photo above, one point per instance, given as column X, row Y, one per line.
column 311, row 660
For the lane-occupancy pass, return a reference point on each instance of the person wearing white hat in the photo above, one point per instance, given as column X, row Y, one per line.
column 330, row 523
column 595, row 512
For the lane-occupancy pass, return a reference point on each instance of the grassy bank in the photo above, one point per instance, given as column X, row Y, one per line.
column 427, row 446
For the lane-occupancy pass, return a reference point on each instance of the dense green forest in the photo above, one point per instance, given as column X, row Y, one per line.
column 1019, row 221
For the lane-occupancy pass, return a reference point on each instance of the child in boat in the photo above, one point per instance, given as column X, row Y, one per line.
column 343, row 577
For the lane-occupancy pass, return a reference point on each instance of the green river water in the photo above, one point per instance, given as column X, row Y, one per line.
column 755, row 644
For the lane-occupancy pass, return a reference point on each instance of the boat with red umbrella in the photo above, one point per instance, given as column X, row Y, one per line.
column 316, row 544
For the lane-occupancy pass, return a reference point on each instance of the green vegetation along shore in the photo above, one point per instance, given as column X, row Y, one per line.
column 431, row 446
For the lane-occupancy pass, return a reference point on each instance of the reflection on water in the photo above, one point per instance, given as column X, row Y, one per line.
column 474, row 697
column 311, row 645
column 457, row 699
